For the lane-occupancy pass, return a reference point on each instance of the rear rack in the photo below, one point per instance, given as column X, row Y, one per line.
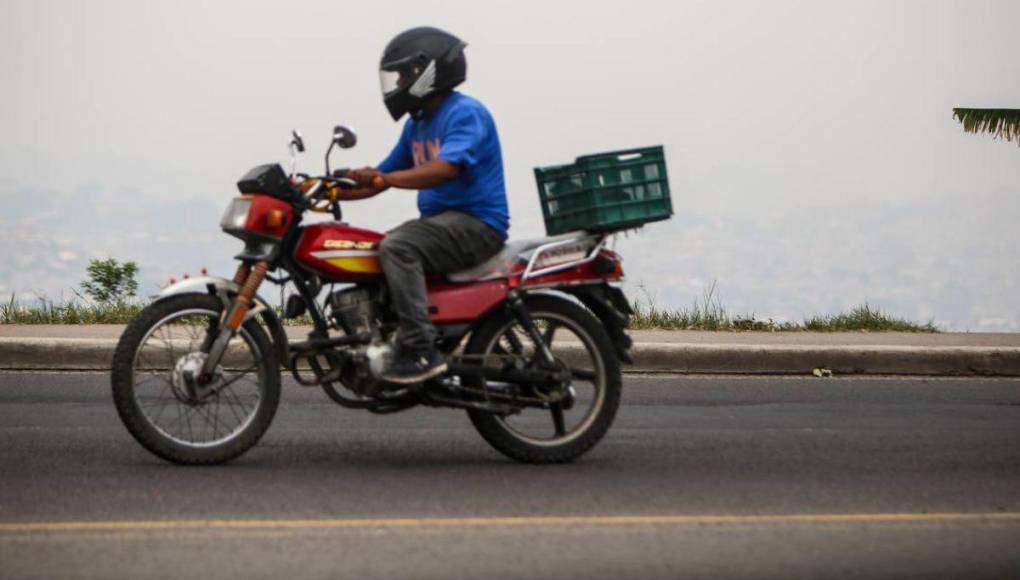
column 531, row 272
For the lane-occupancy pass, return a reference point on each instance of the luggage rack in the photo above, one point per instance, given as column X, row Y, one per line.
column 531, row 271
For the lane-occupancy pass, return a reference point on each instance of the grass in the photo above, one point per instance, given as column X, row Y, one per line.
column 866, row 317
column 706, row 313
column 71, row 312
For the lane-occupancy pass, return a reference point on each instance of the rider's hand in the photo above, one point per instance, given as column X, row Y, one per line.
column 364, row 176
column 360, row 192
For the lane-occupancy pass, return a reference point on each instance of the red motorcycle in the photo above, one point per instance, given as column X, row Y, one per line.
column 534, row 336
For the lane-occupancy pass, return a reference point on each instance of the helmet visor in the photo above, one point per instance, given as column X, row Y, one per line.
column 389, row 80
column 399, row 74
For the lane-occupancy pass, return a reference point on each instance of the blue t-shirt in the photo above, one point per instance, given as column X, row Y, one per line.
column 461, row 131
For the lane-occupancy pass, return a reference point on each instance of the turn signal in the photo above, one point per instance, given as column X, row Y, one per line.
column 274, row 219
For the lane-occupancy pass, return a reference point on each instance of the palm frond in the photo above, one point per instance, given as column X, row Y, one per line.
column 1000, row 123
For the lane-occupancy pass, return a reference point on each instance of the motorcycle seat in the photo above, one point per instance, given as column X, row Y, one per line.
column 500, row 265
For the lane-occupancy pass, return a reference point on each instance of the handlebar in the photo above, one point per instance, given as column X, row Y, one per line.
column 324, row 189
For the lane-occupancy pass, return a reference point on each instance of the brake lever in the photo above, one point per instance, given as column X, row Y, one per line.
column 337, row 181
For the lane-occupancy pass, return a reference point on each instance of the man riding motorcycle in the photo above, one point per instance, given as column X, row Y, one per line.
column 528, row 340
column 448, row 150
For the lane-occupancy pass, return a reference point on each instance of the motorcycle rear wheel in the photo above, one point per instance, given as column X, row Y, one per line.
column 525, row 436
column 159, row 409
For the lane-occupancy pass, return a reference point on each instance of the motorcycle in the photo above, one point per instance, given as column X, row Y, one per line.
column 534, row 336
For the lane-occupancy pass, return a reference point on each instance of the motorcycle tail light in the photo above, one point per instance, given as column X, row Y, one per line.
column 236, row 215
column 604, row 265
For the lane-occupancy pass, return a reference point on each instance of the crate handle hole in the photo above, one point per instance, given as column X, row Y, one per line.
column 628, row 157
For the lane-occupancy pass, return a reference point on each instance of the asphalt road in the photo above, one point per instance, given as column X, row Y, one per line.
column 700, row 477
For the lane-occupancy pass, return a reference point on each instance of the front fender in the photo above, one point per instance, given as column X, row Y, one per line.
column 225, row 290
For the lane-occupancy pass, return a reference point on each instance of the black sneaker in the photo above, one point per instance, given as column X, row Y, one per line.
column 410, row 367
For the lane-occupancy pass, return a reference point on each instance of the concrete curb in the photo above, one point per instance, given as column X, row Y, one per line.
column 663, row 357
column 840, row 359
column 56, row 353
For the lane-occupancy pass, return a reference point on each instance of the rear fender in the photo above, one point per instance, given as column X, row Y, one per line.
column 611, row 307
column 608, row 304
column 225, row 290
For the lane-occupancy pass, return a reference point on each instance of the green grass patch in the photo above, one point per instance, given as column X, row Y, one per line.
column 706, row 313
column 70, row 312
column 866, row 317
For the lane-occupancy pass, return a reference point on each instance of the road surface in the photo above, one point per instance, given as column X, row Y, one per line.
column 700, row 477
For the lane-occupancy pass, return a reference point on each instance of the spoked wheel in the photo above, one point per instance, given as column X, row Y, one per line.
column 577, row 414
column 173, row 412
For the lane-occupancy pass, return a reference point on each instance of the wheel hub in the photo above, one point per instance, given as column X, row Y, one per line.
column 188, row 384
column 561, row 390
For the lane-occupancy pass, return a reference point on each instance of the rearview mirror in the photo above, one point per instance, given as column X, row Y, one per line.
column 296, row 141
column 344, row 137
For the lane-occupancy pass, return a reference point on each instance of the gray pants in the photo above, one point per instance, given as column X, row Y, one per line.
column 438, row 244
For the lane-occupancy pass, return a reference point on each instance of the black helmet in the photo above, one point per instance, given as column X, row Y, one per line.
column 418, row 63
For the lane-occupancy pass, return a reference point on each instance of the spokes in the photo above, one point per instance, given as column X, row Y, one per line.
column 572, row 406
column 550, row 331
column 557, row 416
column 583, row 374
column 170, row 398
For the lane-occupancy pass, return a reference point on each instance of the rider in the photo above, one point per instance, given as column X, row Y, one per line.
column 448, row 150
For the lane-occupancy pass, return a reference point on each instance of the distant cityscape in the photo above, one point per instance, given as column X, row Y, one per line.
column 951, row 260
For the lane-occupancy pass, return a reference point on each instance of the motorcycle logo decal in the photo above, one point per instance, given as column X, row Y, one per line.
column 348, row 244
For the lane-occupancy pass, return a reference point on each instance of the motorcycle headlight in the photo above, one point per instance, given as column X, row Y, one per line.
column 236, row 216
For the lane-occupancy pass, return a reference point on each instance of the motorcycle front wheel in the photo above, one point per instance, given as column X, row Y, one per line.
column 561, row 431
column 170, row 413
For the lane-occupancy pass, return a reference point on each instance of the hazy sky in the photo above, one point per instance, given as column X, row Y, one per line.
column 812, row 155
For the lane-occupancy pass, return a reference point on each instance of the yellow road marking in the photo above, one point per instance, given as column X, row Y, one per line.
column 162, row 525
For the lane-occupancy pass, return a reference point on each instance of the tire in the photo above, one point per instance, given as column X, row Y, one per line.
column 132, row 356
column 496, row 429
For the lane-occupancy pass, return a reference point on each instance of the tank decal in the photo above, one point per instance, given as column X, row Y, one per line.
column 358, row 261
column 345, row 254
column 363, row 265
column 340, row 253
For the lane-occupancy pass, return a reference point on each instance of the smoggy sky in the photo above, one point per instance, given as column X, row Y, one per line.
column 811, row 150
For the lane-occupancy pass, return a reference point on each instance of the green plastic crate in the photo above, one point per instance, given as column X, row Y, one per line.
column 606, row 191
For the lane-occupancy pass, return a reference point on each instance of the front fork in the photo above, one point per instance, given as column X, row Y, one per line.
column 250, row 278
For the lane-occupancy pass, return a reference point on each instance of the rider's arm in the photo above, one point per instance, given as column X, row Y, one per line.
column 430, row 174
column 425, row 176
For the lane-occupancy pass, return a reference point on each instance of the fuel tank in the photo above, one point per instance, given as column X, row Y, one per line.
column 339, row 252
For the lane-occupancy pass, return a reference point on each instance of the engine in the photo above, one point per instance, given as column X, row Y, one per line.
column 355, row 311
